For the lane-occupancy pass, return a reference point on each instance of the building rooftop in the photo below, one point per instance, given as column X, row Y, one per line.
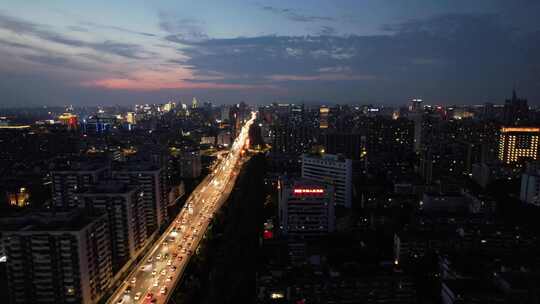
column 49, row 221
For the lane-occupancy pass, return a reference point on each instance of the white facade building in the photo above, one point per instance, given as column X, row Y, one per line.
column 331, row 169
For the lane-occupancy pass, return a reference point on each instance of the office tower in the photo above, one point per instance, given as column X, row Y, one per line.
column 306, row 208
column 518, row 144
column 530, row 184
column 224, row 113
column 131, row 118
column 348, row 144
column 425, row 167
column 99, row 123
column 152, row 180
column 57, row 258
column 516, row 110
column 332, row 169
column 324, row 112
column 415, row 114
column 194, row 103
column 69, row 178
column 291, row 139
column 70, row 120
column 190, row 164
column 124, row 207
column 415, row 105
column 417, row 118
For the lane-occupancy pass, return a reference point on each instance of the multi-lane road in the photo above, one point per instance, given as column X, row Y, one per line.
column 159, row 271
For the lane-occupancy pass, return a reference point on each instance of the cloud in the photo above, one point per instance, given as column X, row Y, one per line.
column 321, row 77
column 22, row 27
column 117, row 28
column 327, row 31
column 181, row 30
column 294, row 15
column 417, row 55
column 57, row 61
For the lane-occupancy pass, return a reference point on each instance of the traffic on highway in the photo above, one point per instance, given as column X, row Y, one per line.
column 156, row 275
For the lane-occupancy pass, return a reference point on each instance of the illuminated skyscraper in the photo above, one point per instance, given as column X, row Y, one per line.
column 194, row 103
column 323, row 117
column 70, row 120
column 130, row 118
column 518, row 144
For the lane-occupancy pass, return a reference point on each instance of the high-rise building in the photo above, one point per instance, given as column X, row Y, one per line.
column 306, row 208
column 324, row 113
column 516, row 110
column 530, row 184
column 415, row 105
column 194, row 103
column 57, row 258
column 67, row 179
column 152, row 180
column 124, row 207
column 70, row 120
column 131, row 118
column 348, row 144
column 190, row 164
column 331, row 169
column 291, row 139
column 225, row 113
column 518, row 144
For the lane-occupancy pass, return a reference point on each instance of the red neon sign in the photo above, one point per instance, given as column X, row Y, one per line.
column 308, row 191
column 267, row 234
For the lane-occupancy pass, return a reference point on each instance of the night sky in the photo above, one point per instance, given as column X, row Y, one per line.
column 315, row 51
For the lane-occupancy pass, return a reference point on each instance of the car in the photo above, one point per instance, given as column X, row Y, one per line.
column 184, row 250
column 169, row 278
column 133, row 280
column 158, row 257
column 149, row 296
column 120, row 301
column 180, row 258
column 156, row 283
column 154, row 272
column 150, row 260
column 137, row 296
column 165, row 244
column 143, row 267
column 166, row 255
column 164, row 272
column 169, row 262
column 174, row 255
column 163, row 290
column 127, row 290
column 173, row 268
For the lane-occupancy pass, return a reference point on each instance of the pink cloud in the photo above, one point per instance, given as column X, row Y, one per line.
column 324, row 77
column 156, row 80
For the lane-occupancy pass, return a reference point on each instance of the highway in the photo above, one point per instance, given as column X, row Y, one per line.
column 155, row 277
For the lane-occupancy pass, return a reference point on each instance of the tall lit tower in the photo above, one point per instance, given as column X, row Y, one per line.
column 415, row 109
column 517, row 144
column 323, row 117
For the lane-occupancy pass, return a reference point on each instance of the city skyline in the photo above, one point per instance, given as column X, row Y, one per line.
column 447, row 52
